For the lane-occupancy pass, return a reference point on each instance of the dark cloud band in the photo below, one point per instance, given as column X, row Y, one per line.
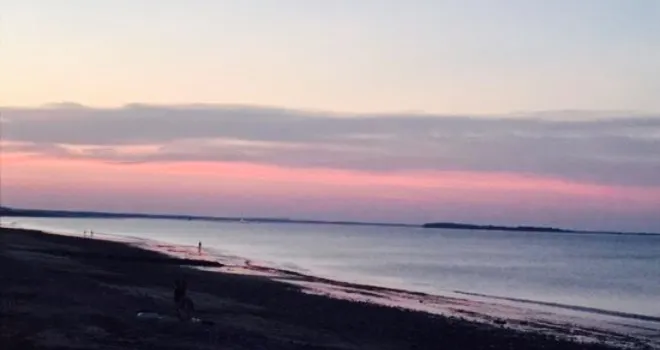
column 612, row 148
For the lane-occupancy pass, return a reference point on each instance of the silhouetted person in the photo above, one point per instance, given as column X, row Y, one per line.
column 183, row 304
column 180, row 288
column 199, row 248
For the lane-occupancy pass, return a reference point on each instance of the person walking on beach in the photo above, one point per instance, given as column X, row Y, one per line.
column 199, row 248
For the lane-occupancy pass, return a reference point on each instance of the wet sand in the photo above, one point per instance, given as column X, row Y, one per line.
column 62, row 292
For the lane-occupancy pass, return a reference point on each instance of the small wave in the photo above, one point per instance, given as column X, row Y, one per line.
column 567, row 307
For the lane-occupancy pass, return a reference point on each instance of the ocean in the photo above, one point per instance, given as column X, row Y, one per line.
column 619, row 273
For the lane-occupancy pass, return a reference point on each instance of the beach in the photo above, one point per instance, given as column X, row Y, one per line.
column 63, row 292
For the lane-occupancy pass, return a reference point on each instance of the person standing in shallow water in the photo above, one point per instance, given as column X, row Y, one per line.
column 199, row 248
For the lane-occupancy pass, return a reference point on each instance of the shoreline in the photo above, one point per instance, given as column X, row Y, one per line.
column 477, row 307
column 185, row 251
column 486, row 311
column 292, row 276
column 481, row 314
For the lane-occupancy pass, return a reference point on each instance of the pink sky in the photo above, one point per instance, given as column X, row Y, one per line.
column 583, row 170
column 244, row 189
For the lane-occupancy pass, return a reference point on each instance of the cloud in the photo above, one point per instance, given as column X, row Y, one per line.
column 607, row 148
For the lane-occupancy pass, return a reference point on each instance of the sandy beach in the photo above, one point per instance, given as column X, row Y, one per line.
column 63, row 292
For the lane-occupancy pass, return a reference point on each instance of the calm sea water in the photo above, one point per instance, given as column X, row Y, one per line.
column 610, row 272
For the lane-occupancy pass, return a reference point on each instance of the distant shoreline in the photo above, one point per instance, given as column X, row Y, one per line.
column 458, row 226
column 539, row 229
column 44, row 213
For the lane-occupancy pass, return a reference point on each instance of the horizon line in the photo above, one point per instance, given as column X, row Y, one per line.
column 325, row 221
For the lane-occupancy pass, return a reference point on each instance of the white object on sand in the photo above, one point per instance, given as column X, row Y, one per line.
column 150, row 315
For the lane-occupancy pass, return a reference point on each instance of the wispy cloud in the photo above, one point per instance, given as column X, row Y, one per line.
column 605, row 148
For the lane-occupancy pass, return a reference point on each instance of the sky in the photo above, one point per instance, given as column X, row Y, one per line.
column 506, row 112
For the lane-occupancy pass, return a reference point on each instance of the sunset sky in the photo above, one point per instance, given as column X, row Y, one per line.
column 506, row 112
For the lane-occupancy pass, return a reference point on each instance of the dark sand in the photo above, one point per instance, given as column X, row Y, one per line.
column 60, row 292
